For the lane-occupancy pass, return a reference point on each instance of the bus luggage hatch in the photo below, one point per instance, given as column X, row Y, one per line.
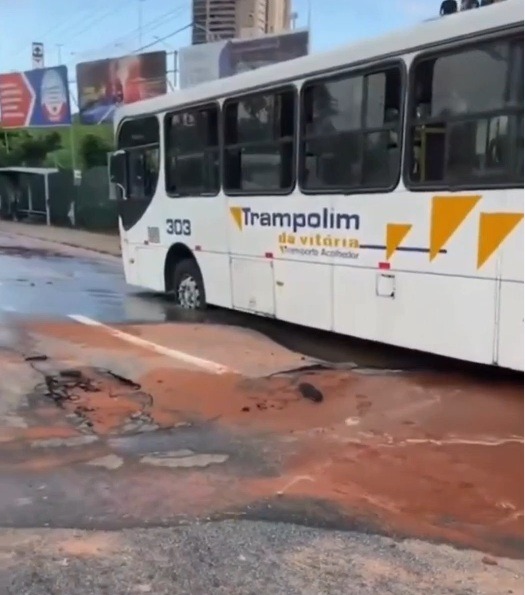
column 253, row 285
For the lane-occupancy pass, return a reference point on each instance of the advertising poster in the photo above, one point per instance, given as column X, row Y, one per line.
column 249, row 54
column 202, row 63
column 103, row 85
column 36, row 98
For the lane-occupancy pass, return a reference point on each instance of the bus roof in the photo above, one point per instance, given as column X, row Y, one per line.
column 431, row 32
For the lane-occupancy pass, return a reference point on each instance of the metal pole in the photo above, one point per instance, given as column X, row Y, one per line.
column 73, row 167
column 46, row 190
column 59, row 52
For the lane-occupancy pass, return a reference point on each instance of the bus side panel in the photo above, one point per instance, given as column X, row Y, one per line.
column 149, row 267
column 204, row 225
column 300, row 277
column 510, row 344
column 510, row 332
column 439, row 303
column 215, row 269
column 303, row 293
column 450, row 316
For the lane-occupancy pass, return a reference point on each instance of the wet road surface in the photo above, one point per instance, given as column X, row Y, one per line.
column 127, row 418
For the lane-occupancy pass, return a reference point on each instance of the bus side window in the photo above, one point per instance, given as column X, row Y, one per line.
column 140, row 140
column 382, row 143
column 466, row 115
column 351, row 131
column 259, row 139
column 143, row 172
column 192, row 152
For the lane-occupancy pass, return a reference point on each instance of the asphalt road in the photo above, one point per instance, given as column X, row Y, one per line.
column 164, row 454
column 43, row 280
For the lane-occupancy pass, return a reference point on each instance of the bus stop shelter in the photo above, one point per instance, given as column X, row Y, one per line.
column 18, row 191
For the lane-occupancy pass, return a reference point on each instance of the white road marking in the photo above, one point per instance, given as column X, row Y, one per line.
column 182, row 356
column 9, row 308
column 449, row 441
column 465, row 441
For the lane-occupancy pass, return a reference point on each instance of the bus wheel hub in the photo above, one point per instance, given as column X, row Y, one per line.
column 188, row 293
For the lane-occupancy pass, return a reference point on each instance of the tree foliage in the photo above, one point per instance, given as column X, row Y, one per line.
column 23, row 149
column 94, row 151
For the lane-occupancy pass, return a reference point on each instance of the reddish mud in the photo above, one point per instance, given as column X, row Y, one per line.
column 424, row 454
column 240, row 350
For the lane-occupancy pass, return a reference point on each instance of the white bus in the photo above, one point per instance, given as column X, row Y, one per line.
column 374, row 191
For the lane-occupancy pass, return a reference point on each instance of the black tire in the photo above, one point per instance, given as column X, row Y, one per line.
column 187, row 272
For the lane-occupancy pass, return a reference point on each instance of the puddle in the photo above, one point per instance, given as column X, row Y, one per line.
column 184, row 459
column 198, row 438
column 24, row 252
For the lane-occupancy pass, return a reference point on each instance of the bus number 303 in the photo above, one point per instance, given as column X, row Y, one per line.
column 178, row 227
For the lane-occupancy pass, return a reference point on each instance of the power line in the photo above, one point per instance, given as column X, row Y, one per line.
column 161, row 39
column 149, row 27
column 98, row 19
column 77, row 21
column 57, row 29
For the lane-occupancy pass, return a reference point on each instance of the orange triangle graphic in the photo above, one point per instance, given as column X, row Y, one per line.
column 494, row 228
column 448, row 213
column 236, row 213
column 395, row 234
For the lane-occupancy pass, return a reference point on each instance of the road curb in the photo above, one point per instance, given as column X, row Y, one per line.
column 61, row 243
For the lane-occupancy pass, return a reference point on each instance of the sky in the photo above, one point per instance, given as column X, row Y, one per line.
column 79, row 30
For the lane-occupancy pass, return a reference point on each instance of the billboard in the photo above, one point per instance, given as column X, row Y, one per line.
column 36, row 98
column 104, row 84
column 248, row 54
column 211, row 61
column 202, row 63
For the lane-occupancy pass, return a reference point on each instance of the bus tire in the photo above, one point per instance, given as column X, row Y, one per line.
column 188, row 286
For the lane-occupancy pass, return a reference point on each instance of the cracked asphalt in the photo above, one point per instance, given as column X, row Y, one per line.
column 130, row 464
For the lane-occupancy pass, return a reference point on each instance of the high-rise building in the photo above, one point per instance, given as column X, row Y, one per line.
column 279, row 17
column 225, row 19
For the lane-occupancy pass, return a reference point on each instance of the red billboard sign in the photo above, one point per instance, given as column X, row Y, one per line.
column 16, row 100
column 38, row 98
column 105, row 84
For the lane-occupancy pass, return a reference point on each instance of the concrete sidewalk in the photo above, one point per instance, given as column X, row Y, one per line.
column 104, row 243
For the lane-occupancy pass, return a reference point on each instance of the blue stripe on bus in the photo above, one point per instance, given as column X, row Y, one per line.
column 400, row 249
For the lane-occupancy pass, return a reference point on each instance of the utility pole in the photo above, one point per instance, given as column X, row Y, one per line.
column 59, row 52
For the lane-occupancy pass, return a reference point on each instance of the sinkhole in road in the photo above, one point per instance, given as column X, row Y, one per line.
column 97, row 400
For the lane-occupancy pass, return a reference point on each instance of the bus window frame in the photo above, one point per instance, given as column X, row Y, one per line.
column 185, row 109
column 250, row 93
column 451, row 48
column 127, row 120
column 131, row 148
column 363, row 70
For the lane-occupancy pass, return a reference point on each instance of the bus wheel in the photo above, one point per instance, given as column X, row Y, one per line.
column 188, row 285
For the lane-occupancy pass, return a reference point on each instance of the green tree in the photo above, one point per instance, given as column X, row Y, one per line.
column 33, row 150
column 94, row 151
column 21, row 148
column 7, row 141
